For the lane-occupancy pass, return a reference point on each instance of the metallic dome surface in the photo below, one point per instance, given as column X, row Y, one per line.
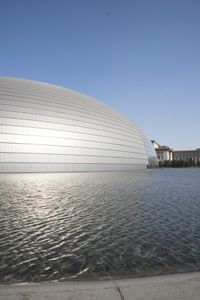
column 47, row 128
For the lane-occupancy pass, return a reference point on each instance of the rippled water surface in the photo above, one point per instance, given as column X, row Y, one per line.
column 89, row 225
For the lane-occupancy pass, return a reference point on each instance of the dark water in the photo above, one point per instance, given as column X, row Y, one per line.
column 86, row 225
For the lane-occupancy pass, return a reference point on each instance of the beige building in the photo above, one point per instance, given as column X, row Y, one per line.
column 187, row 155
column 163, row 152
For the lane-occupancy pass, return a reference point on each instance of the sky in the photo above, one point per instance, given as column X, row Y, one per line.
column 141, row 57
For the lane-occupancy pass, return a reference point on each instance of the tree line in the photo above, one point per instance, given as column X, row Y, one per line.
column 179, row 164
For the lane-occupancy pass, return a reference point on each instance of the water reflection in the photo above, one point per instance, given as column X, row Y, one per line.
column 83, row 225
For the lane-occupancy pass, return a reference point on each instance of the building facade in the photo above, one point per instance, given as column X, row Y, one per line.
column 46, row 128
column 187, row 155
column 164, row 153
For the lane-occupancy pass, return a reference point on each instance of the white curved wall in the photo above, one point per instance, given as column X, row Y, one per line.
column 46, row 128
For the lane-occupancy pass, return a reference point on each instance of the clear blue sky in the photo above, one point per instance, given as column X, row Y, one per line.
column 142, row 57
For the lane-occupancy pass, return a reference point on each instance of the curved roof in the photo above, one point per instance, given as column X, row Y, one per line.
column 47, row 128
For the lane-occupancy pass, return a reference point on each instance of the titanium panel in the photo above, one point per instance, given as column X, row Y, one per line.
column 46, row 128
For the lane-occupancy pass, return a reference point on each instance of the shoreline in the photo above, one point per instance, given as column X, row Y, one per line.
column 106, row 277
column 168, row 286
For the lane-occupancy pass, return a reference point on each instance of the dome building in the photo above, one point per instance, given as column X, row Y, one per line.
column 46, row 128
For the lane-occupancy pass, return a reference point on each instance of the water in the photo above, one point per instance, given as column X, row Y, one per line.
column 89, row 225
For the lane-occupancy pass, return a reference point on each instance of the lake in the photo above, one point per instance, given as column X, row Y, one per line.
column 96, row 225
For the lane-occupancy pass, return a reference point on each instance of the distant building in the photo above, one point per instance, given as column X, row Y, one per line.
column 187, row 155
column 163, row 152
